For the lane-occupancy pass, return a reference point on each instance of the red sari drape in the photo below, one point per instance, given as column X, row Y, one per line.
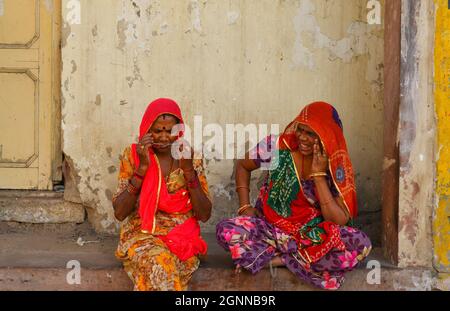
column 323, row 119
column 184, row 240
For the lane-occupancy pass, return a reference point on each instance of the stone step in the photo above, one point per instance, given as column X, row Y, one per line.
column 39, row 207
column 55, row 279
column 35, row 257
column 207, row 279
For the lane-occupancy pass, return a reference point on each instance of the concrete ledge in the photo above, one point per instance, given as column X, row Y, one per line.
column 205, row 279
column 283, row 280
column 53, row 279
column 39, row 207
column 53, row 245
column 34, row 257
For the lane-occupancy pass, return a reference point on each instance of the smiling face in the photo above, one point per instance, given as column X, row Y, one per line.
column 161, row 130
column 306, row 137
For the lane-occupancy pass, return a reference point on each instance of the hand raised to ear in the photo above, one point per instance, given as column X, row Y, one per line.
column 142, row 150
column 320, row 159
column 185, row 155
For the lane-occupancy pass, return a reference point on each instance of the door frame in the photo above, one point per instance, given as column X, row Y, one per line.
column 57, row 159
column 391, row 162
column 409, row 198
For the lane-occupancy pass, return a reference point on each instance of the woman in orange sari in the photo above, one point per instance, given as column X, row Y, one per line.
column 303, row 216
column 160, row 200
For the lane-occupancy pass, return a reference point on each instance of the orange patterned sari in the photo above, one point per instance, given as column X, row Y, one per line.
column 160, row 241
column 146, row 258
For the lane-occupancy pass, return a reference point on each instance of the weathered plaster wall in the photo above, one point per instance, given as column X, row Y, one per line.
column 416, row 134
column 441, row 217
column 236, row 61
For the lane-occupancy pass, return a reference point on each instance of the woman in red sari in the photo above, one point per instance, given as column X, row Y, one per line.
column 160, row 200
column 303, row 216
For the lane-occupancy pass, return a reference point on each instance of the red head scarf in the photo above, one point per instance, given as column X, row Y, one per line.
column 157, row 108
column 154, row 194
column 324, row 120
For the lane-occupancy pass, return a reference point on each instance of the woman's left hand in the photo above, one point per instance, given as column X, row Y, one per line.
column 187, row 156
column 320, row 159
column 186, row 164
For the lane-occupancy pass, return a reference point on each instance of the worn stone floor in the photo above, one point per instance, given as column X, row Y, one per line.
column 35, row 257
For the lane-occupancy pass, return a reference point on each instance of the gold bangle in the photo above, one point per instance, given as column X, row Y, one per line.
column 132, row 189
column 328, row 201
column 243, row 187
column 319, row 174
column 243, row 208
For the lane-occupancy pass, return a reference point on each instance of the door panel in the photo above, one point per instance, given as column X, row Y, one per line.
column 19, row 24
column 19, row 148
column 27, row 95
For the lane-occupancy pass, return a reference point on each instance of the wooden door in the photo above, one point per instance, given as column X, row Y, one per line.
column 29, row 93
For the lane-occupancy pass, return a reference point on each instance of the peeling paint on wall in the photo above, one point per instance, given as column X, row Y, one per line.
column 109, row 151
column 134, row 30
column 112, row 169
column 137, row 9
column 416, row 135
column 98, row 100
column 200, row 52
column 74, row 66
column 136, row 74
column 95, row 31
column 387, row 163
column 126, row 33
column 73, row 14
column 232, row 17
column 420, row 282
column 65, row 33
column 194, row 11
column 71, row 181
column 308, row 30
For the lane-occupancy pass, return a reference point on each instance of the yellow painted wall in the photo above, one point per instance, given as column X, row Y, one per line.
column 441, row 225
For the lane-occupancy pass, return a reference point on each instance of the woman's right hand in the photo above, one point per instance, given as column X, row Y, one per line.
column 142, row 150
column 320, row 159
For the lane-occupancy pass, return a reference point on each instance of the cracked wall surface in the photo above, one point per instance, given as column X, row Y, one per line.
column 234, row 61
column 416, row 136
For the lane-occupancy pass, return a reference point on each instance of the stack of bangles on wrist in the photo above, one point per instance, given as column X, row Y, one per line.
column 138, row 176
column 243, row 208
column 132, row 189
column 327, row 201
column 319, row 174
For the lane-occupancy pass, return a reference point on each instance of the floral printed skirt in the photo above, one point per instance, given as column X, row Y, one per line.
column 152, row 267
column 253, row 242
